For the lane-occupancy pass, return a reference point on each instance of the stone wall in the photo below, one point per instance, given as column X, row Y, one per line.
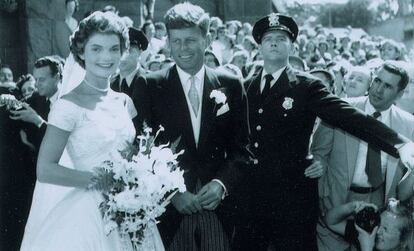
column 44, row 16
column 12, row 50
column 387, row 29
column 31, row 32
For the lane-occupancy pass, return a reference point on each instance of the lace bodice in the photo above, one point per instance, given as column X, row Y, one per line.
column 94, row 133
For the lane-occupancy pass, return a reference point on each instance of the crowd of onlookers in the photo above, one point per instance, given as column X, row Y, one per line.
column 346, row 65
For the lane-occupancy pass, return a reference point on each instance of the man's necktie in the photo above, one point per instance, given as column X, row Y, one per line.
column 266, row 89
column 373, row 164
column 124, row 86
column 193, row 96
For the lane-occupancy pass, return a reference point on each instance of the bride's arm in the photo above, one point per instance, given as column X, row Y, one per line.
column 48, row 169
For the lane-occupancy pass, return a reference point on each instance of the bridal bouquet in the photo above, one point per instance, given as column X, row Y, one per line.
column 144, row 180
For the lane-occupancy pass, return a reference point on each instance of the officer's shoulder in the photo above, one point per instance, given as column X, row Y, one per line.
column 301, row 78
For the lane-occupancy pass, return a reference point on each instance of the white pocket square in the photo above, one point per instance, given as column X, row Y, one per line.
column 223, row 109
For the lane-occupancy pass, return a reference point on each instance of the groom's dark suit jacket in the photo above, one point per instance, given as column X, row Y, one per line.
column 221, row 152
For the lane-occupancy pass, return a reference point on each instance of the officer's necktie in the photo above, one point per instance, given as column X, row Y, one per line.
column 124, row 86
column 193, row 96
column 373, row 164
column 266, row 89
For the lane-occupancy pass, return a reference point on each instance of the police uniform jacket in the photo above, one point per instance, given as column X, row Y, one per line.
column 281, row 125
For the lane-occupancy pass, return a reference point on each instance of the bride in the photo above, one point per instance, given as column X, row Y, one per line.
column 90, row 120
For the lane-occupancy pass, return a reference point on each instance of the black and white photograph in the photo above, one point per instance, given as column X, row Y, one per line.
column 207, row 125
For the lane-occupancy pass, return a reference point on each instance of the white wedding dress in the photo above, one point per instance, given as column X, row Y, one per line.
column 74, row 222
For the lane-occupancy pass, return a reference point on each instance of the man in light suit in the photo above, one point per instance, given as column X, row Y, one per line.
column 345, row 156
column 208, row 111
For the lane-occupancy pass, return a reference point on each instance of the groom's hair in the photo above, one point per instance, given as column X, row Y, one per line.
column 54, row 65
column 187, row 15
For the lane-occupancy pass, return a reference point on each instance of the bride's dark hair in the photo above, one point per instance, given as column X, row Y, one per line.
column 97, row 22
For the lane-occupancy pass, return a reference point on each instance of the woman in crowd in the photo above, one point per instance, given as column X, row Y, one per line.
column 26, row 85
column 390, row 50
column 90, row 121
column 357, row 81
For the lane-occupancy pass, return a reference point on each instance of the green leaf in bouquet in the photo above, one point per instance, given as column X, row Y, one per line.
column 175, row 144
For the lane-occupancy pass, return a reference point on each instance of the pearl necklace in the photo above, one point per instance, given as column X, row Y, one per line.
column 96, row 88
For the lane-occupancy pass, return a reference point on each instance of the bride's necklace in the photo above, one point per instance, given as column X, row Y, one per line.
column 94, row 87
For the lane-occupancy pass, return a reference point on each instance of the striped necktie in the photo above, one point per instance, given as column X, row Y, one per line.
column 193, row 96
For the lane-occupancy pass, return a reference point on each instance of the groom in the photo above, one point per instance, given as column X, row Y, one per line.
column 208, row 111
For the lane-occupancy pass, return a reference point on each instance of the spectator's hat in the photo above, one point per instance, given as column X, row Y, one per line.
column 329, row 74
column 210, row 52
column 137, row 38
column 275, row 21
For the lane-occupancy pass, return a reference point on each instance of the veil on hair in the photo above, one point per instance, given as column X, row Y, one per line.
column 72, row 75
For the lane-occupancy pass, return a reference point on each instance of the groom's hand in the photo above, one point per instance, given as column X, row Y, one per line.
column 210, row 195
column 186, row 203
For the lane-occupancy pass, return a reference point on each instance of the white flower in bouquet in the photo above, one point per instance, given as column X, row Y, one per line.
column 126, row 200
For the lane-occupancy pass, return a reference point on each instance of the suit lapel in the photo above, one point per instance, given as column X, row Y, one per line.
column 352, row 148
column 391, row 161
column 177, row 99
column 209, row 107
column 253, row 89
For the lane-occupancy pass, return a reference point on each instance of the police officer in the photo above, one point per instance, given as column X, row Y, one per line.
column 130, row 70
column 129, row 67
column 282, row 199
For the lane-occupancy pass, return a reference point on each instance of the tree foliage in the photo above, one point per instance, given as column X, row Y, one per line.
column 354, row 13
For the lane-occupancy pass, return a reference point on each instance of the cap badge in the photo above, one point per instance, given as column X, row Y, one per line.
column 273, row 20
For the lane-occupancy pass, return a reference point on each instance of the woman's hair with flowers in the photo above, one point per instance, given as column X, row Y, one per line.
column 187, row 15
column 97, row 22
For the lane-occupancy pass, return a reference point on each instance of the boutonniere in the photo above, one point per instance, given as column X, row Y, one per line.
column 218, row 96
column 288, row 103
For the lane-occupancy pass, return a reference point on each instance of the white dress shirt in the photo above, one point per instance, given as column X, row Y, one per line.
column 360, row 177
column 276, row 76
column 199, row 83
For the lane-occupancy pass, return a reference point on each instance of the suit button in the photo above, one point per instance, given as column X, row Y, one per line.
column 255, row 161
column 258, row 128
column 260, row 111
column 256, row 144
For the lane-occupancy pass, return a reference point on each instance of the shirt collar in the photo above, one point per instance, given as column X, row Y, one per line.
column 369, row 109
column 131, row 76
column 276, row 74
column 185, row 77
